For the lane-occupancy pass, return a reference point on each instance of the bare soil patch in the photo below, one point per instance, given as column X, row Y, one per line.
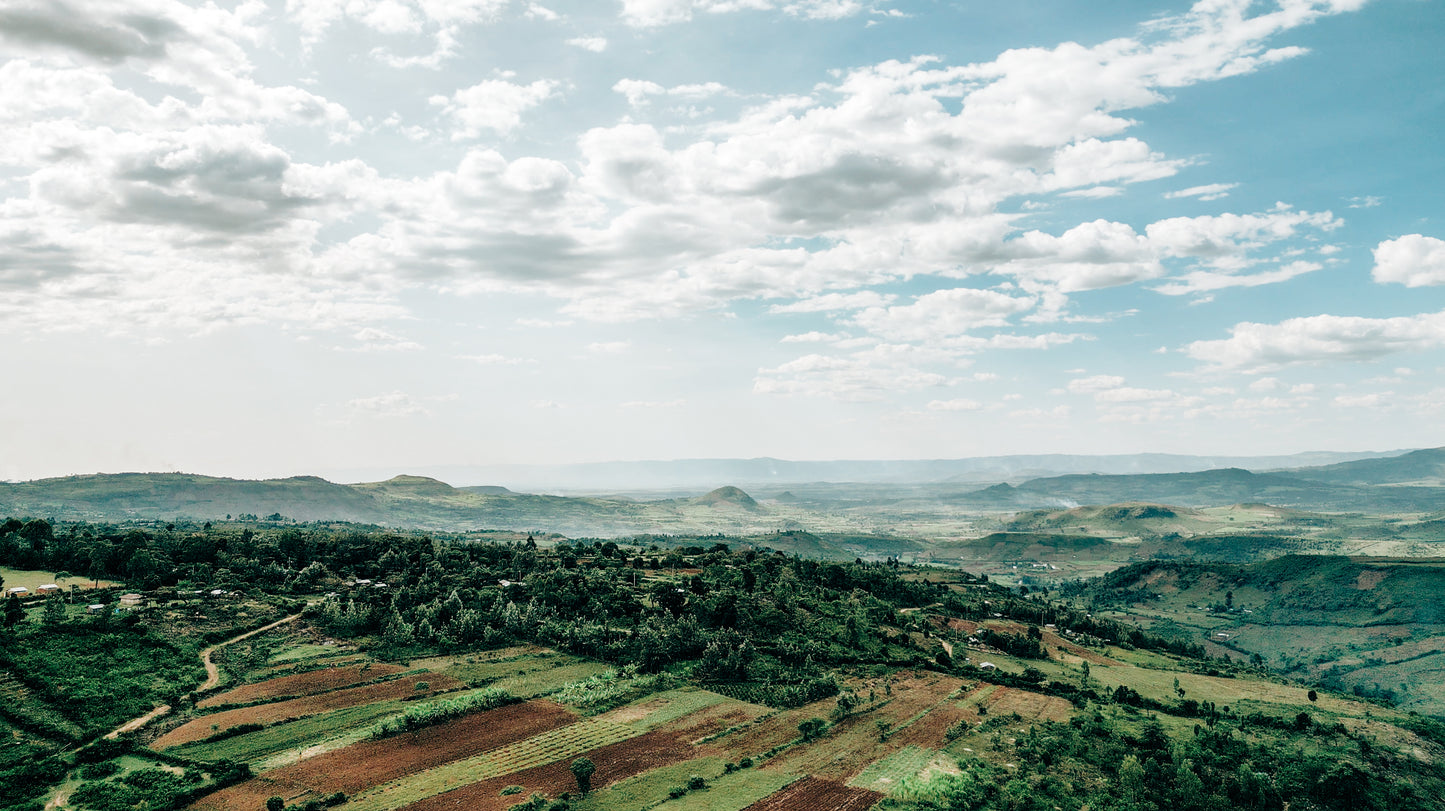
column 614, row 762
column 812, row 794
column 208, row 725
column 302, row 684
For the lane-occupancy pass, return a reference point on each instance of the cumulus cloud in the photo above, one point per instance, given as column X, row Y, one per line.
column 943, row 313
column 810, row 201
column 1413, row 260
column 494, row 105
column 1254, row 347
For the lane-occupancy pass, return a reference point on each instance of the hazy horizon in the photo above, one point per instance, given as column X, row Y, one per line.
column 261, row 239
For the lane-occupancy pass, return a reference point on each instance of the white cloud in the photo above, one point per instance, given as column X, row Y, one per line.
column 1365, row 202
column 1203, row 281
column 539, row 12
column 371, row 339
column 493, row 104
column 494, row 359
column 830, row 302
column 593, row 44
column 960, row 404
column 1095, row 384
column 1374, row 400
column 653, row 13
column 1212, row 191
column 1254, row 347
column 639, row 92
column 387, row 406
column 1413, row 260
column 943, row 313
column 609, row 347
column 812, row 337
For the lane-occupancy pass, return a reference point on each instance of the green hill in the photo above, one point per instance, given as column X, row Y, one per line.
column 1364, row 625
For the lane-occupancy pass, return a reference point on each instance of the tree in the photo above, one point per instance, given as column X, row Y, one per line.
column 54, row 610
column 275, row 804
column 583, row 769
column 1313, row 696
column 14, row 612
column 812, row 728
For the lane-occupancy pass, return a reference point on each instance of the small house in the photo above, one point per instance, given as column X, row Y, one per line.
column 360, row 582
column 218, row 592
column 48, row 588
column 95, row 608
column 18, row 591
column 987, row 666
column 132, row 599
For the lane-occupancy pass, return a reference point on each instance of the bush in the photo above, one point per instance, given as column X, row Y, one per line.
column 696, row 783
column 511, row 790
column 437, row 712
column 99, row 771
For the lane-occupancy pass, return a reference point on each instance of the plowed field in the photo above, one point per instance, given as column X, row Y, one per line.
column 614, row 762
column 300, row 707
column 301, row 684
column 372, row 763
column 812, row 794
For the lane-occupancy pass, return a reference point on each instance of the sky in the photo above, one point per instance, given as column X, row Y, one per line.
column 310, row 236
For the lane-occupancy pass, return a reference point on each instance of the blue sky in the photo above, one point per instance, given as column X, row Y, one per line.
column 313, row 236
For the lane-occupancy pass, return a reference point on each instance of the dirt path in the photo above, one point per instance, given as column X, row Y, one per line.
column 213, row 673
column 213, row 678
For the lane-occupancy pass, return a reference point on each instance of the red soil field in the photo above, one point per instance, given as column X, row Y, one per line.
column 614, row 762
column 812, row 794
column 301, row 684
column 299, row 707
column 371, row 763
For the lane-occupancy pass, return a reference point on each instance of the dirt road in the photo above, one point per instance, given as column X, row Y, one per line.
column 213, row 678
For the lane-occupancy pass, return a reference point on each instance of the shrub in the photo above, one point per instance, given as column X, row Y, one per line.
column 511, row 790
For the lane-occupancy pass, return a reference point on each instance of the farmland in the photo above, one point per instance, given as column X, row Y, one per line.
column 693, row 679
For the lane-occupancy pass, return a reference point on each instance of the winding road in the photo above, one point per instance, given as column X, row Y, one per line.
column 213, row 678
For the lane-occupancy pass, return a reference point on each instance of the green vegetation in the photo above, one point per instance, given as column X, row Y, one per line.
column 647, row 640
column 431, row 713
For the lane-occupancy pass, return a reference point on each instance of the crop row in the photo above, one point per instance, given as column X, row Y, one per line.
column 548, row 747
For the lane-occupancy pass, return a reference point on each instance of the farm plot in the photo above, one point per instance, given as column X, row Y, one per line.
column 208, row 725
column 886, row 774
column 812, row 794
column 918, row 713
column 614, row 762
column 539, row 750
column 1029, row 706
column 302, row 684
column 330, row 730
column 372, row 763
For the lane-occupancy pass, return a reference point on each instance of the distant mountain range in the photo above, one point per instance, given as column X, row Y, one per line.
column 1407, row 482
column 1368, row 485
column 705, row 474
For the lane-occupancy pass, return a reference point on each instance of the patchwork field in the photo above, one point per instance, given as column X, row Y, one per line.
column 648, row 739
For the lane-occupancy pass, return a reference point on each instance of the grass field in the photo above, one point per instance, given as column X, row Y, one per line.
column 887, row 773
column 33, row 579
